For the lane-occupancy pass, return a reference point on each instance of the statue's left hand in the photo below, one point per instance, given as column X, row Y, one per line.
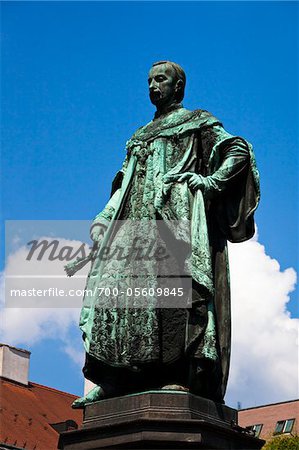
column 194, row 181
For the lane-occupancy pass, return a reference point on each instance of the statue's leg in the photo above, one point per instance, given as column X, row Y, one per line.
column 106, row 379
column 161, row 375
column 175, row 375
column 96, row 394
column 205, row 379
column 111, row 381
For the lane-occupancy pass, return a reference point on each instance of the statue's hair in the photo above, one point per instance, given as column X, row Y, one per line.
column 179, row 73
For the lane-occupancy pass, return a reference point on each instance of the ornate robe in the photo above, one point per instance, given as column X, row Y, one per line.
column 178, row 142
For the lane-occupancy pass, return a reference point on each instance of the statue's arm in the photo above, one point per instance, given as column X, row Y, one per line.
column 233, row 159
column 232, row 155
column 102, row 220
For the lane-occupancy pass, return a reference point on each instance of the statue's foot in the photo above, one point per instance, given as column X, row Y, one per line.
column 96, row 394
column 175, row 387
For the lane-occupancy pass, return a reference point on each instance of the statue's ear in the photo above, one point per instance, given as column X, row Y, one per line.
column 179, row 85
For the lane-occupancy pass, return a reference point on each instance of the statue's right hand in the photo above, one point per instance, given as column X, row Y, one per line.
column 97, row 232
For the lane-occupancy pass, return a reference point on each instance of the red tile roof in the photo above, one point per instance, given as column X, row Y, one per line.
column 26, row 413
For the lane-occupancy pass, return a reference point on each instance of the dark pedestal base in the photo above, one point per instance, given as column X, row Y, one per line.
column 159, row 420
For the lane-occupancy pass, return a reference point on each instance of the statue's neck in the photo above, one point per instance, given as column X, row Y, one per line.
column 167, row 109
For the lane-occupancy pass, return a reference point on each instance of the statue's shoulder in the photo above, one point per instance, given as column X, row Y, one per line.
column 178, row 122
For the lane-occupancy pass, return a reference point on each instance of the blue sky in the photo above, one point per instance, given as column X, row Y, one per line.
column 74, row 88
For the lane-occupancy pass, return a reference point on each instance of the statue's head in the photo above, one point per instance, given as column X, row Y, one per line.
column 167, row 82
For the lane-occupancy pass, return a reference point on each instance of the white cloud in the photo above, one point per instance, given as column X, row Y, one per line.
column 44, row 317
column 264, row 350
column 264, row 365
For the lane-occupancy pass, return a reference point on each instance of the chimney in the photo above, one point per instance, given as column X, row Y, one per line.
column 14, row 363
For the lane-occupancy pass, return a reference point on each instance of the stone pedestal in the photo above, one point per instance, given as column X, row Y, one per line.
column 159, row 420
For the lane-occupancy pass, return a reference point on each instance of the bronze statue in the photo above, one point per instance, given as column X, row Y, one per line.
column 181, row 166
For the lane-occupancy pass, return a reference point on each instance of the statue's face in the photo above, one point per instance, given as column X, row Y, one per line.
column 162, row 81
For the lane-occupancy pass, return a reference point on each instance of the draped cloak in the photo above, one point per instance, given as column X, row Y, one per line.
column 181, row 141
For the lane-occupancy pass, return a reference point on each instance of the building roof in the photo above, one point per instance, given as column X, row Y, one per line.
column 296, row 400
column 269, row 415
column 27, row 413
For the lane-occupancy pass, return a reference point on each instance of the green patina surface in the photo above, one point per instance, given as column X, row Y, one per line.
column 163, row 149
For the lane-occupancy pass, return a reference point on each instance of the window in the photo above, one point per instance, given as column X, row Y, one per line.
column 256, row 429
column 279, row 427
column 284, row 426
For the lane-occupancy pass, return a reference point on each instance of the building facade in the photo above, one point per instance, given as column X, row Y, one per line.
column 271, row 420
